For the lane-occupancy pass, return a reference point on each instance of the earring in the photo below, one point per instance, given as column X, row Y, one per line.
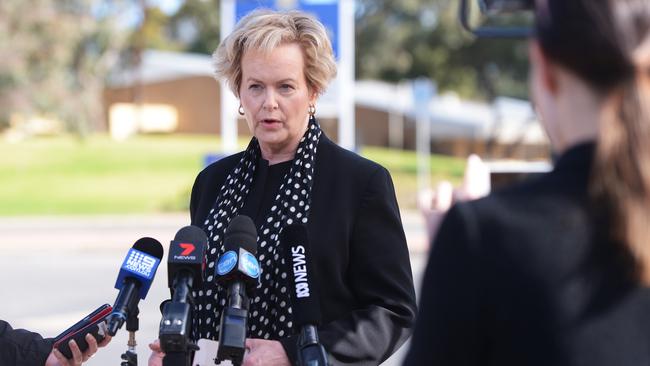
column 241, row 110
column 312, row 110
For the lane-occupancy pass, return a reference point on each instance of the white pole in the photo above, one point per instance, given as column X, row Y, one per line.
column 229, row 102
column 396, row 116
column 346, row 103
column 423, row 132
column 423, row 91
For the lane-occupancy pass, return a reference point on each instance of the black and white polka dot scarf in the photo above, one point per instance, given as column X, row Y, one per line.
column 270, row 307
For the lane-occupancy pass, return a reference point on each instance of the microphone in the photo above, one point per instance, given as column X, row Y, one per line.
column 239, row 271
column 304, row 293
column 185, row 265
column 134, row 279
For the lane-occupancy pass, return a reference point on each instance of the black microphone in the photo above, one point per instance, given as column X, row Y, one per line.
column 185, row 265
column 239, row 271
column 134, row 280
column 304, row 293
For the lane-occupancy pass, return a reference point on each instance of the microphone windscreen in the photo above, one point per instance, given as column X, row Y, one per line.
column 241, row 233
column 150, row 246
column 140, row 264
column 187, row 254
column 191, row 234
column 301, row 274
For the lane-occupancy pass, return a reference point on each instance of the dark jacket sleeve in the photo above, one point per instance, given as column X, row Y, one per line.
column 22, row 348
column 380, row 276
column 447, row 327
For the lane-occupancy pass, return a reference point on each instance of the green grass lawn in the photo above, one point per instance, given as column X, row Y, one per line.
column 403, row 168
column 63, row 175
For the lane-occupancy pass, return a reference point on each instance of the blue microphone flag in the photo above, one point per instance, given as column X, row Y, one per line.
column 140, row 266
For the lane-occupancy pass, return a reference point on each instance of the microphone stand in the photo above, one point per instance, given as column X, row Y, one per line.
column 130, row 357
column 176, row 325
column 180, row 347
column 234, row 321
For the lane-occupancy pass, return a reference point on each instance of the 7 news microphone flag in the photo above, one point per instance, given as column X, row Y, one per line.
column 185, row 266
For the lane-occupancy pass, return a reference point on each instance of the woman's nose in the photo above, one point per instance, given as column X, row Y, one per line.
column 270, row 102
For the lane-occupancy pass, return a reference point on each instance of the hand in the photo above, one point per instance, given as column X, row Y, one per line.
column 157, row 354
column 265, row 352
column 476, row 181
column 56, row 358
column 435, row 204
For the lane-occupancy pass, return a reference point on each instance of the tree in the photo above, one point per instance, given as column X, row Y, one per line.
column 395, row 40
column 411, row 38
column 196, row 25
column 55, row 58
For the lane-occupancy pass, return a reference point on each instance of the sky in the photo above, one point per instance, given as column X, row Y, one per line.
column 132, row 16
column 168, row 6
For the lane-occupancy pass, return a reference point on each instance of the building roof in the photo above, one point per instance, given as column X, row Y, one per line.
column 158, row 66
column 506, row 119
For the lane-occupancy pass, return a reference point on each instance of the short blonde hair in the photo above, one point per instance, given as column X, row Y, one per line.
column 264, row 30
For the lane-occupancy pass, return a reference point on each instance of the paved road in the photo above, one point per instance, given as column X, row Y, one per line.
column 57, row 269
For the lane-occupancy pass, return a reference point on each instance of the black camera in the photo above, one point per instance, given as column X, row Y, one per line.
column 497, row 18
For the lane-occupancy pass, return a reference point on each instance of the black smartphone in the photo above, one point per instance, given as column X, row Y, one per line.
column 93, row 324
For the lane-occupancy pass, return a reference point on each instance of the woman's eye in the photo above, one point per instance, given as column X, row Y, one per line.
column 286, row 87
column 254, row 86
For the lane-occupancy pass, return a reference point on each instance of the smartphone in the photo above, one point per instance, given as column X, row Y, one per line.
column 93, row 324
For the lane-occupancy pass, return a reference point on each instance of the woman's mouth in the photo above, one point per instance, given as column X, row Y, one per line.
column 270, row 121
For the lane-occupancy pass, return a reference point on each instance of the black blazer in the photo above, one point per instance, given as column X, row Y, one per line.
column 526, row 276
column 359, row 250
column 20, row 347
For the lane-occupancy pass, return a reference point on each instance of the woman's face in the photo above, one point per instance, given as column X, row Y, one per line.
column 275, row 96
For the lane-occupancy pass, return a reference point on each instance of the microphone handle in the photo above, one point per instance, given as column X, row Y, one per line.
column 182, row 286
column 125, row 300
column 234, row 320
column 237, row 295
column 176, row 359
column 175, row 326
column 309, row 335
column 311, row 352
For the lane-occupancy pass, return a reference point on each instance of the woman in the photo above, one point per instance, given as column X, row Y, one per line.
column 555, row 271
column 277, row 64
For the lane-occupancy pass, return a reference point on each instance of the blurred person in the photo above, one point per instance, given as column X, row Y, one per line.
column 277, row 64
column 556, row 270
column 434, row 203
column 19, row 347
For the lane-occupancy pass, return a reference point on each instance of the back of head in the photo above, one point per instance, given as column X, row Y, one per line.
column 265, row 30
column 607, row 44
column 596, row 39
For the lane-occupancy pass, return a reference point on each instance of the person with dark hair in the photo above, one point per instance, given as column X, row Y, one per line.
column 19, row 347
column 556, row 270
